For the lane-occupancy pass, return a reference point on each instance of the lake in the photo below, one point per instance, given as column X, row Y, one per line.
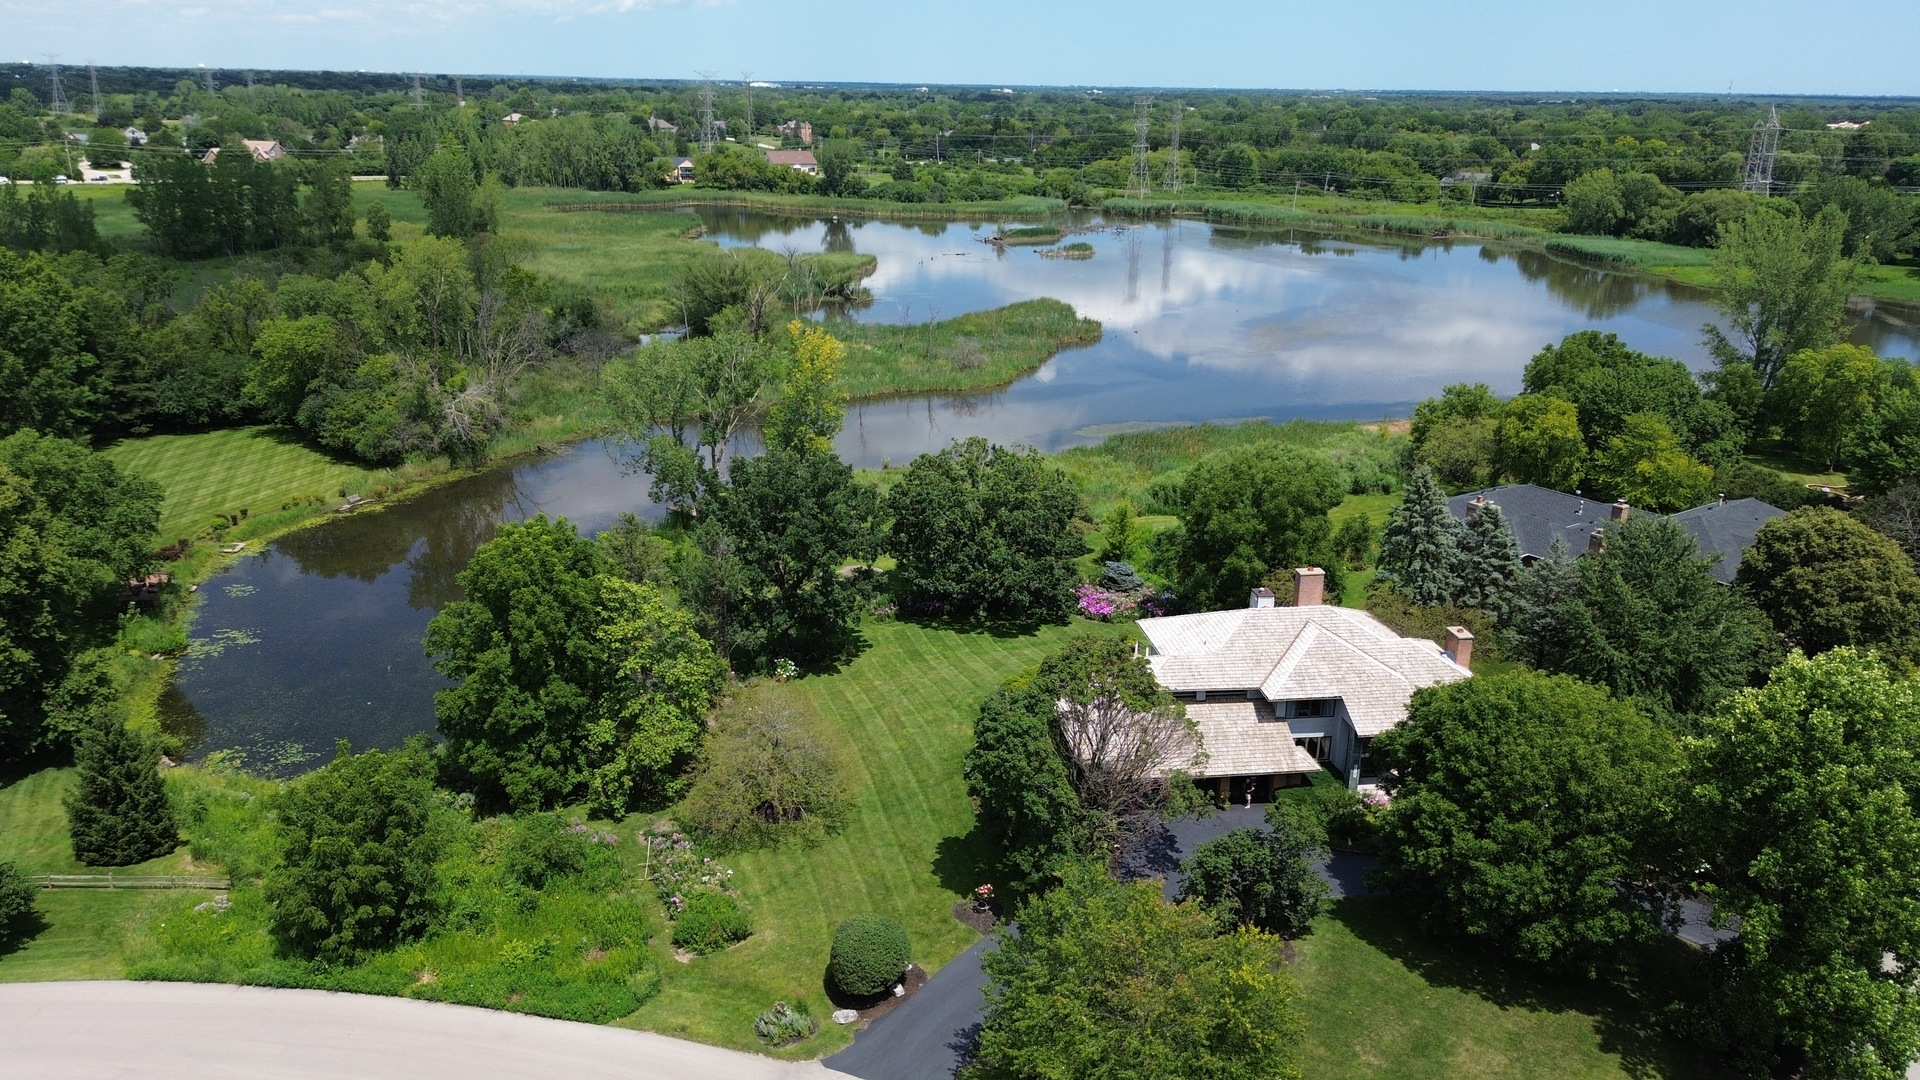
column 318, row 637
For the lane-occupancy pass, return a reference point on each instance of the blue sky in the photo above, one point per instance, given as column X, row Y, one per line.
column 1855, row 47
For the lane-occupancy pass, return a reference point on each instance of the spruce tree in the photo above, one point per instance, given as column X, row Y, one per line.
column 1421, row 555
column 1537, row 618
column 1491, row 570
column 118, row 814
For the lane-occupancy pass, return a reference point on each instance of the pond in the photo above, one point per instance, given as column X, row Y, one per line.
column 318, row 638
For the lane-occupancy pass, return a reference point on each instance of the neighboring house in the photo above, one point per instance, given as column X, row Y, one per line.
column 654, row 123
column 1468, row 177
column 512, row 118
column 797, row 129
column 683, row 170
column 795, row 159
column 1538, row 516
column 1280, row 693
column 134, row 136
column 1848, row 125
column 261, row 149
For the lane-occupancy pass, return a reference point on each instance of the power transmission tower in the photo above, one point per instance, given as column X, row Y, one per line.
column 1174, row 175
column 208, row 72
column 250, row 94
column 1141, row 184
column 93, row 78
column 459, row 93
column 59, row 104
column 417, row 102
column 1761, row 152
column 746, row 78
column 706, row 111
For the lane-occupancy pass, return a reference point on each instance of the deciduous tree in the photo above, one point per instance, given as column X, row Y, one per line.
column 1265, row 879
column 1248, row 516
column 1826, row 580
column 1784, row 286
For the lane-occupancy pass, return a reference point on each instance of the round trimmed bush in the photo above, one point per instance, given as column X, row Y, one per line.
column 869, row 955
column 711, row 921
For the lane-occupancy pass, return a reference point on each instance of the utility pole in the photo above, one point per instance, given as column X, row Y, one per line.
column 59, row 104
column 1141, row 185
column 746, row 79
column 93, row 77
column 706, row 111
column 1174, row 175
column 1761, row 152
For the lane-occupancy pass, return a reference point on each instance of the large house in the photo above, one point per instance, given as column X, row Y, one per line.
column 1280, row 693
column 802, row 160
column 1539, row 516
column 261, row 149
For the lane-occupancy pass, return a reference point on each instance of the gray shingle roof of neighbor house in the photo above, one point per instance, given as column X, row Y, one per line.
column 1297, row 654
column 1539, row 516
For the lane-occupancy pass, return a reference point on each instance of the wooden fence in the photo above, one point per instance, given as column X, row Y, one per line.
column 132, row 881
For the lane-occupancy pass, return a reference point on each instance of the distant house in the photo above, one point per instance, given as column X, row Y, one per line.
column 512, row 118
column 797, row 129
column 1848, row 125
column 654, row 123
column 683, row 170
column 261, row 149
column 1468, row 177
column 134, row 136
column 1723, row 530
column 795, row 159
column 1281, row 693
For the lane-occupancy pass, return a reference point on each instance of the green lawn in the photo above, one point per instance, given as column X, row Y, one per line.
column 1383, row 1002
column 258, row 469
column 903, row 712
column 85, row 933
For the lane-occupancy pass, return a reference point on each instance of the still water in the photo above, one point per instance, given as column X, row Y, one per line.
column 318, row 638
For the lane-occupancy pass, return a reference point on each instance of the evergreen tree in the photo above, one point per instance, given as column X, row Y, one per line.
column 1420, row 555
column 1535, row 618
column 1491, row 564
column 118, row 814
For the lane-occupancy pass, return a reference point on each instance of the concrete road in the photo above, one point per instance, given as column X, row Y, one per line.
column 190, row 1031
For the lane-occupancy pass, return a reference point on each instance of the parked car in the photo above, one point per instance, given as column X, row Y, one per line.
column 99, row 176
column 62, row 179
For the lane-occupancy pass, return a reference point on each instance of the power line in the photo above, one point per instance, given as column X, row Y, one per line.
column 1141, row 185
column 59, row 104
column 1761, row 152
column 93, row 77
column 1172, row 180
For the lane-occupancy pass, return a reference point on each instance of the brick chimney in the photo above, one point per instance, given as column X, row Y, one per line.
column 1309, row 586
column 1620, row 512
column 1262, row 597
column 1596, row 541
column 1459, row 645
column 1476, row 504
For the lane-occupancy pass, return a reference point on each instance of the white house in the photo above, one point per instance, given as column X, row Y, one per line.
column 1279, row 693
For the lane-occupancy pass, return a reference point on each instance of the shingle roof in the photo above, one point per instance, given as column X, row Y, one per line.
column 1540, row 515
column 1727, row 530
column 1245, row 738
column 1299, row 653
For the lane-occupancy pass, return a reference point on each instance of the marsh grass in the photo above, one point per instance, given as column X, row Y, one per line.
column 969, row 352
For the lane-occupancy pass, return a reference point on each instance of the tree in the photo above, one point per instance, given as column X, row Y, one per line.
column 571, row 682
column 1826, row 580
column 1881, row 222
column 1264, row 879
column 810, row 409
column 1607, row 383
column 790, row 521
column 1784, row 286
column 1247, row 516
column 379, row 222
column 682, row 403
column 1024, row 801
column 117, row 813
column 328, row 209
column 1645, row 465
column 1121, row 535
column 1420, row 553
column 984, row 529
column 359, row 845
column 1523, row 812
column 1827, row 395
column 1490, row 564
column 449, row 189
column 1593, row 204
column 1800, row 821
column 1454, row 434
column 18, row 894
column 1126, row 744
column 766, row 776
column 1107, row 981
column 294, row 356
column 1538, row 441
column 1897, row 514
column 839, row 173
column 1647, row 620
column 1883, row 448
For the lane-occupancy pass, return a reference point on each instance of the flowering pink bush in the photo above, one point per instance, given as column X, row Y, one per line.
column 1096, row 603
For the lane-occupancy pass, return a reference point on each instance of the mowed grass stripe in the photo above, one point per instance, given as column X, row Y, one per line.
column 258, row 469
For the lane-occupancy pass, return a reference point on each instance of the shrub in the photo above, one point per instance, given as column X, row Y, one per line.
column 767, row 776
column 542, row 849
column 784, row 1024
column 870, row 954
column 709, row 922
column 16, row 897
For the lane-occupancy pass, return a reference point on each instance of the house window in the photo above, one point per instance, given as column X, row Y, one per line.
column 1317, row 745
column 1300, row 709
column 1367, row 767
